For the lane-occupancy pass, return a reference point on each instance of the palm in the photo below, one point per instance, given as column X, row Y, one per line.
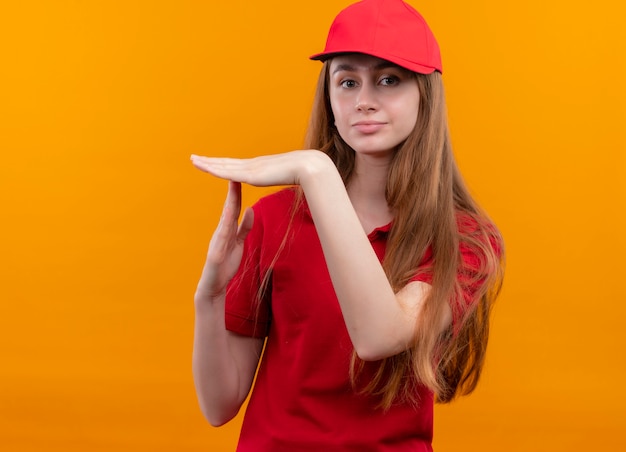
column 279, row 169
column 226, row 246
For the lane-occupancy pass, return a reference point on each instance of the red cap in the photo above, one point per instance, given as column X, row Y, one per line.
column 389, row 29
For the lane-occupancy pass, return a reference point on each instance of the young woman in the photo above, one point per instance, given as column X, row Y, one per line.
column 368, row 285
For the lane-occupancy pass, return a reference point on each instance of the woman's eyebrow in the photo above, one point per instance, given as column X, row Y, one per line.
column 385, row 65
column 379, row 66
column 343, row 67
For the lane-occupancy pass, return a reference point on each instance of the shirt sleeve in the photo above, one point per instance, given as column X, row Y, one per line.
column 471, row 272
column 246, row 312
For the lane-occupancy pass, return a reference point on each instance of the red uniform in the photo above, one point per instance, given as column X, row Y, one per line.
column 302, row 399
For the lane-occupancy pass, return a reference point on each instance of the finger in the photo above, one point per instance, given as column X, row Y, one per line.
column 224, row 168
column 258, row 171
column 233, row 199
column 227, row 227
column 279, row 169
column 246, row 224
column 201, row 163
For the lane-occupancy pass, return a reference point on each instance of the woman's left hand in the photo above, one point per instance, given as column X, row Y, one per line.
column 290, row 168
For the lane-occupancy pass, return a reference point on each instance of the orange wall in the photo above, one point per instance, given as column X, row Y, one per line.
column 105, row 223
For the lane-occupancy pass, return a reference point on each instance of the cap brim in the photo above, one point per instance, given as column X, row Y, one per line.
column 410, row 65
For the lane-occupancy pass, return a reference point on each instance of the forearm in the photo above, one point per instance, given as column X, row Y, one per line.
column 378, row 324
column 223, row 363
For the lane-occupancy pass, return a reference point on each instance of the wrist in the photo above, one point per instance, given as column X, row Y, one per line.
column 204, row 299
column 318, row 167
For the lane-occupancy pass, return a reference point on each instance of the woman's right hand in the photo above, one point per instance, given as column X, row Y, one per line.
column 226, row 247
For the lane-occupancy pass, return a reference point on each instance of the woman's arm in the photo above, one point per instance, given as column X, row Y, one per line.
column 381, row 323
column 224, row 363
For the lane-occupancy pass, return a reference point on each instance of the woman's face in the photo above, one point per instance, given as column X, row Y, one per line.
column 375, row 103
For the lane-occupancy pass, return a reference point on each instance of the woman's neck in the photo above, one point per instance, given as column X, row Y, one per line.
column 366, row 189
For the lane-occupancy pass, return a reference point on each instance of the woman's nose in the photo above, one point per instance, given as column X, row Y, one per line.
column 366, row 99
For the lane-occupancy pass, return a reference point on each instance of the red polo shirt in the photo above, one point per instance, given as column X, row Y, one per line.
column 302, row 399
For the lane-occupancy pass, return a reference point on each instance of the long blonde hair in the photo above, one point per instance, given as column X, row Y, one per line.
column 428, row 196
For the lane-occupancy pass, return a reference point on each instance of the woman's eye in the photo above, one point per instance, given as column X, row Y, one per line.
column 389, row 81
column 348, row 84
